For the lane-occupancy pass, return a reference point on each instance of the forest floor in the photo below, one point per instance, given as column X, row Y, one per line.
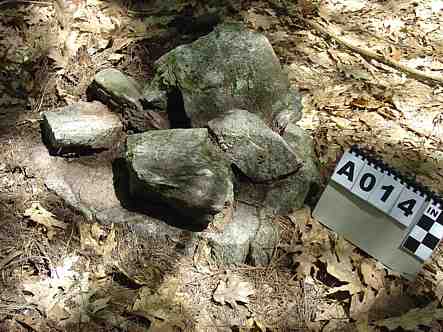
column 59, row 273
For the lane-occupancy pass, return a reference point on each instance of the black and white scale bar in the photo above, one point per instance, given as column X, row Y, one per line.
column 426, row 234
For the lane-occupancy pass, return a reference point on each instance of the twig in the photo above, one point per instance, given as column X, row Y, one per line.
column 370, row 54
column 42, row 3
column 5, row 261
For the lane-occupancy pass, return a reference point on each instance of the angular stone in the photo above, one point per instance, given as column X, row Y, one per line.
column 81, row 127
column 290, row 194
column 123, row 94
column 231, row 246
column 229, row 68
column 303, row 146
column 248, row 235
column 286, row 195
column 264, row 242
column 117, row 85
column 179, row 168
column 260, row 153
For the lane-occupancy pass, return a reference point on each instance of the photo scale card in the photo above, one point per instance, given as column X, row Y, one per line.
column 374, row 207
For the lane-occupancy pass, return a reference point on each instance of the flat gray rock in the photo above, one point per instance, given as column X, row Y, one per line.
column 229, row 68
column 81, row 127
column 179, row 168
column 260, row 153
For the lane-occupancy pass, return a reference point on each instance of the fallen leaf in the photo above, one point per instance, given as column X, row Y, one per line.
column 93, row 237
column 158, row 325
column 372, row 276
column 163, row 304
column 341, row 122
column 232, row 291
column 344, row 274
column 328, row 311
column 361, row 304
column 41, row 216
column 413, row 318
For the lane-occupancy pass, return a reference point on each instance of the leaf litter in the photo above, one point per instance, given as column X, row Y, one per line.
column 317, row 281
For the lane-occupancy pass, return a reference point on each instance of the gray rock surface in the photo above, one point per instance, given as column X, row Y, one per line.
column 229, row 68
column 288, row 193
column 247, row 234
column 81, row 127
column 263, row 244
column 88, row 186
column 231, row 246
column 180, row 168
column 123, row 94
column 260, row 153
column 303, row 146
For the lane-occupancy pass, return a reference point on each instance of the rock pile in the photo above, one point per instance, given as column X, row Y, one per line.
column 199, row 138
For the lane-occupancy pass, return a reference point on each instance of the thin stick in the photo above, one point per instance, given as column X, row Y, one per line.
column 42, row 3
column 370, row 54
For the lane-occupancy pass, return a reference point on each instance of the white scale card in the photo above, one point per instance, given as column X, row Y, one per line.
column 385, row 214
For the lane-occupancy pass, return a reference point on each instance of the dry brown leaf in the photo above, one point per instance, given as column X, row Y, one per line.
column 41, row 216
column 300, row 218
column 328, row 311
column 305, row 264
column 372, row 119
column 158, row 325
column 163, row 304
column 344, row 274
column 259, row 21
column 413, row 318
column 372, row 276
column 202, row 257
column 93, row 237
column 361, row 304
column 341, row 123
column 232, row 291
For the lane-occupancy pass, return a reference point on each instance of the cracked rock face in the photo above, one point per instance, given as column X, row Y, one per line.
column 229, row 68
column 261, row 154
column 81, row 127
column 179, row 167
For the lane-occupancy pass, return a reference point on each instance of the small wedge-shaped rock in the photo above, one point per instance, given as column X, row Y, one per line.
column 81, row 127
column 123, row 94
column 260, row 153
column 180, row 168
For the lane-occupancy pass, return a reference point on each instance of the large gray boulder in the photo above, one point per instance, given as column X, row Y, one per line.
column 123, row 94
column 229, row 68
column 260, row 153
column 180, row 168
column 81, row 127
